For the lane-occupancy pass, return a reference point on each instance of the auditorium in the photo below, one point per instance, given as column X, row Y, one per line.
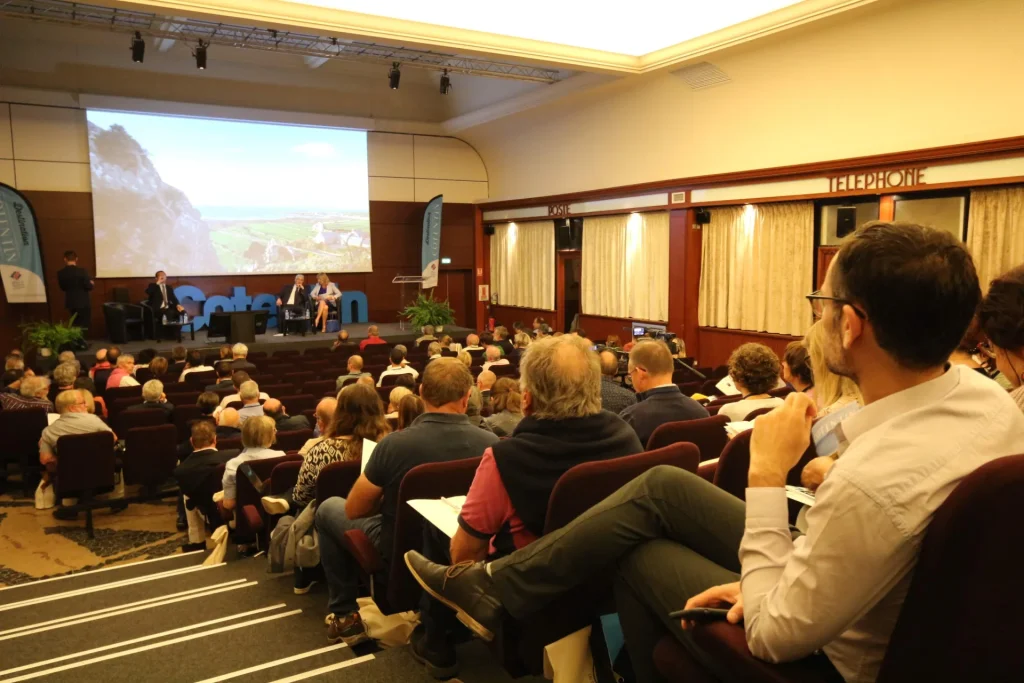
column 350, row 341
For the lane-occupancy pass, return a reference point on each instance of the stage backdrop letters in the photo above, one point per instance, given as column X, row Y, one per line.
column 20, row 263
column 240, row 301
column 431, row 241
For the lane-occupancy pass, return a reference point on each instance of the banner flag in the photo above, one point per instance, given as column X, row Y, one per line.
column 431, row 241
column 21, row 265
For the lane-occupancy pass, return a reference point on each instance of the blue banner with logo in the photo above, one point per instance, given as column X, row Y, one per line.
column 21, row 265
column 432, row 241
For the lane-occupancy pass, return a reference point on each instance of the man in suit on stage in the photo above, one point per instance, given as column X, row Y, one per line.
column 161, row 298
column 294, row 298
column 76, row 285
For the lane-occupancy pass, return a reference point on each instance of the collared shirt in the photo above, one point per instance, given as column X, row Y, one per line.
column 68, row 424
column 658, row 406
column 197, row 368
column 841, row 587
column 231, row 468
column 614, row 397
column 245, row 412
column 403, row 370
column 163, row 293
column 500, row 361
column 19, row 402
column 231, row 398
column 291, row 297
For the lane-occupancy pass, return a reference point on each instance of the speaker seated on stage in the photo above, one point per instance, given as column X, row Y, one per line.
column 161, row 299
column 294, row 297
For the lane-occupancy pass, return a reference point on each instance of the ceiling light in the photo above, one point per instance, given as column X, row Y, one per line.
column 446, row 83
column 138, row 48
column 200, row 55
column 394, row 76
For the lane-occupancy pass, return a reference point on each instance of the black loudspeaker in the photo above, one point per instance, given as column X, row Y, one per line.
column 702, row 216
column 488, row 229
column 846, row 220
column 569, row 234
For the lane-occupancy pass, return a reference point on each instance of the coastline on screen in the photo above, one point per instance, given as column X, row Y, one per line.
column 199, row 196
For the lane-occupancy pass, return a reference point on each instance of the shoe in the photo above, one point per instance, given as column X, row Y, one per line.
column 274, row 505
column 304, row 581
column 65, row 514
column 180, row 525
column 438, row 658
column 465, row 587
column 349, row 629
column 68, row 502
column 192, row 547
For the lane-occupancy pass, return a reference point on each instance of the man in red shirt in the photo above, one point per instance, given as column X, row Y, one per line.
column 372, row 338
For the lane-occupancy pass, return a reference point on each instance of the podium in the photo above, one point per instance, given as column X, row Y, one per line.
column 237, row 326
column 403, row 281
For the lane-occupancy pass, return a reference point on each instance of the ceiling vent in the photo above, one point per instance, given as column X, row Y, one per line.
column 678, row 197
column 702, row 75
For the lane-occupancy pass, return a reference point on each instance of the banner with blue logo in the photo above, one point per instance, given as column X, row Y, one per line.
column 432, row 241
column 21, row 265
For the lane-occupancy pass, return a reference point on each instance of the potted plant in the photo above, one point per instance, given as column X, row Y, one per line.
column 427, row 310
column 47, row 338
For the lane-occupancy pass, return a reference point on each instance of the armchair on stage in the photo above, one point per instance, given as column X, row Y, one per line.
column 122, row 318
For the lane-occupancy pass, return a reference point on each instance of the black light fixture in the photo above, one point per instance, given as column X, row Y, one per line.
column 446, row 83
column 200, row 55
column 394, row 76
column 138, row 48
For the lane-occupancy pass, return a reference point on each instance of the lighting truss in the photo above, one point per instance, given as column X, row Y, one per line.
column 274, row 40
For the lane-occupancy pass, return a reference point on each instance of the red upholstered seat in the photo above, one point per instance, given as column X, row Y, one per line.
column 130, row 419
column 734, row 465
column 151, row 454
column 293, row 440
column 707, row 433
column 318, row 387
column 250, row 522
column 21, row 430
column 336, row 480
column 85, row 466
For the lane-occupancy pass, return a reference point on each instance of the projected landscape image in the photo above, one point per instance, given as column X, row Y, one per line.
column 211, row 197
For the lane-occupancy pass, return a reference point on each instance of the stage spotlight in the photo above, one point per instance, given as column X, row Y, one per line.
column 394, row 76
column 138, row 48
column 200, row 55
column 446, row 83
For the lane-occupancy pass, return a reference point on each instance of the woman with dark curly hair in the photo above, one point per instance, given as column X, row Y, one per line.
column 1001, row 317
column 754, row 369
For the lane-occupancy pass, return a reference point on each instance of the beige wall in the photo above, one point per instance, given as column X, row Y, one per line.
column 44, row 146
column 912, row 74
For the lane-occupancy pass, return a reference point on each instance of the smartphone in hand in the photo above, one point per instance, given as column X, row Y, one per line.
column 701, row 615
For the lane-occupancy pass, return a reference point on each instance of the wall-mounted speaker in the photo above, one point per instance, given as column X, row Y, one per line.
column 702, row 216
column 488, row 229
column 569, row 234
column 846, row 220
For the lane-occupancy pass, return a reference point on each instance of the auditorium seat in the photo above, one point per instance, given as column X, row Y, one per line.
column 734, row 465
column 129, row 419
column 85, row 467
column 757, row 413
column 295, row 403
column 318, row 387
column 183, row 417
column 505, row 370
column 249, row 517
column 385, row 394
column 689, row 388
column 317, row 367
column 781, row 392
column 123, row 392
column 286, row 353
column 200, row 380
column 710, row 387
column 708, row 434
column 720, row 372
column 311, row 413
column 277, row 390
column 230, row 443
column 293, row 440
column 317, row 351
column 388, row 380
column 297, row 378
column 253, row 356
column 336, row 479
column 143, row 375
column 150, row 455
column 115, row 407
column 21, row 430
column 181, row 397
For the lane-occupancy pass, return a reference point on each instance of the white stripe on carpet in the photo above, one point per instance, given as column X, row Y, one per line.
column 276, row 662
column 75, row 575
column 322, row 670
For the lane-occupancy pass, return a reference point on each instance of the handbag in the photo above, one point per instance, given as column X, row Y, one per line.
column 46, row 497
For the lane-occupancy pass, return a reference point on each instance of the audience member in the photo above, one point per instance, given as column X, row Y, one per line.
column 284, row 422
column 507, row 503
column 473, row 409
column 113, row 354
column 64, row 376
column 443, row 433
column 179, row 354
column 14, row 362
column 485, row 382
column 323, row 414
column 406, row 381
column 612, row 342
column 492, row 356
column 99, row 405
column 366, row 381
column 239, row 356
column 754, row 369
column 343, row 342
column 521, row 341
column 207, row 403
column 101, row 363
column 394, row 398
column 153, row 398
column 614, row 396
column 121, row 375
column 193, row 363
column 538, row 323
column 12, row 381
column 397, row 367
column 258, row 435
column 238, row 378
column 796, row 368
column 502, row 341
column 354, row 364
column 229, row 424
column 193, row 476
column 372, row 337
column 660, row 401
column 144, row 358
column 67, row 357
column 446, row 343
column 831, row 391
column 224, row 352
column 249, row 395
column 507, row 404
column 428, row 334
column 1001, row 318
column 405, row 353
column 896, row 302
column 433, row 351
column 32, row 393
column 158, row 367
column 409, row 408
column 546, row 331
column 224, row 371
column 473, row 343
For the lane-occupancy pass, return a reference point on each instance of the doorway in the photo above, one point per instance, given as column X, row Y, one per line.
column 570, row 264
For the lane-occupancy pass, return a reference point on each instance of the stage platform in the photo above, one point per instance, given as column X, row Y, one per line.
column 271, row 342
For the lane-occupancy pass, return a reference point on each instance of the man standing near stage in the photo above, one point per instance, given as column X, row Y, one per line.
column 76, row 285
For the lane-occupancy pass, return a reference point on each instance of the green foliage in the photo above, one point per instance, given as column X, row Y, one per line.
column 427, row 310
column 53, row 336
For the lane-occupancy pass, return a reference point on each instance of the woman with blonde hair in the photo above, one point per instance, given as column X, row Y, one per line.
column 831, row 391
column 507, row 399
column 325, row 294
column 465, row 358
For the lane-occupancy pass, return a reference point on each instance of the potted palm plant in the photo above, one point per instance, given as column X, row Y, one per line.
column 426, row 310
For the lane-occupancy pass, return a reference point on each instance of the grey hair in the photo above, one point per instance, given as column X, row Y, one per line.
column 30, row 386
column 563, row 377
column 152, row 390
column 249, row 390
column 428, row 329
column 240, row 350
column 475, row 403
column 66, row 356
column 300, row 275
column 65, row 374
column 492, row 353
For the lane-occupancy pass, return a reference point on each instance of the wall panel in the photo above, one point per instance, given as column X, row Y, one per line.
column 49, row 133
column 716, row 344
column 6, row 142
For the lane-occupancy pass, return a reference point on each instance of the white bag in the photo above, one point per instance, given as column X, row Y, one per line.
column 569, row 660
column 389, row 630
column 46, row 497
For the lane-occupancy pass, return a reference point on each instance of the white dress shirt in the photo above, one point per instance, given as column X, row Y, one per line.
column 840, row 588
column 500, row 361
column 231, row 398
column 231, row 467
column 401, row 370
column 291, row 297
column 163, row 292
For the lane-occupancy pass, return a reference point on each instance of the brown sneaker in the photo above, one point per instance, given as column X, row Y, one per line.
column 348, row 628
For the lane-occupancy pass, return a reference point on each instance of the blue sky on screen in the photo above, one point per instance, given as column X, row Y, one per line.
column 222, row 163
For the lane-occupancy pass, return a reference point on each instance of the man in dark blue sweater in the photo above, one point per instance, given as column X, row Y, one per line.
column 661, row 402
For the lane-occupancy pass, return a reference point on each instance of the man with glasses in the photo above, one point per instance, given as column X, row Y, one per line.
column 661, row 401
column 897, row 300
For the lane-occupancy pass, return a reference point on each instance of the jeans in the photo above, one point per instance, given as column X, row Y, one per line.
column 439, row 622
column 340, row 568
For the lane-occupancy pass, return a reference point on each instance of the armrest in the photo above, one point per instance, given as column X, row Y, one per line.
column 362, row 549
column 727, row 644
column 252, row 518
column 707, row 469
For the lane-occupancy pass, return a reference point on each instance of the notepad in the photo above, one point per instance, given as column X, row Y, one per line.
column 727, row 387
column 734, row 428
column 441, row 512
column 800, row 494
column 368, row 447
column 824, row 434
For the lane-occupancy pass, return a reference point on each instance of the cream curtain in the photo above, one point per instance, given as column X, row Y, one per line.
column 625, row 266
column 757, row 266
column 523, row 264
column 995, row 231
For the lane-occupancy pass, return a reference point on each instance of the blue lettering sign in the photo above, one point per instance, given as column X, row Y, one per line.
column 240, row 301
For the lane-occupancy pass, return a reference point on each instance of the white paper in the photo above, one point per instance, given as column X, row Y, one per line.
column 368, row 447
column 727, row 387
column 800, row 494
column 734, row 428
column 441, row 512
column 823, row 432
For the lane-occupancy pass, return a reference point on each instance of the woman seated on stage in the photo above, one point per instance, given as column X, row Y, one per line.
column 325, row 295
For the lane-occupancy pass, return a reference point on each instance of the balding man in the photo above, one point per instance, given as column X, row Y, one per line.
column 473, row 343
column 197, row 478
column 485, row 382
column 153, row 398
column 614, row 396
column 651, row 366
column 492, row 357
column 324, row 412
column 372, row 337
column 229, row 424
column 443, row 433
column 355, row 371
column 276, row 411
column 505, row 509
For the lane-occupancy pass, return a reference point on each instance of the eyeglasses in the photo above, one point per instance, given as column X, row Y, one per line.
column 817, row 301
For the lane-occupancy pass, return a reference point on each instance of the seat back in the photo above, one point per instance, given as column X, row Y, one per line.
column 285, row 353
column 150, row 454
column 707, row 433
column 21, row 430
column 336, row 479
column 199, row 380
column 734, row 465
column 85, row 462
column 130, row 419
column 318, row 387
column 757, row 413
column 183, row 417
column 293, row 440
column 115, row 393
column 296, row 403
column 504, row 370
column 247, row 528
column 277, row 390
column 182, row 396
column 587, row 484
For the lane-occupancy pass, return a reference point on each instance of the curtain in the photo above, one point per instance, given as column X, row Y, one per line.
column 995, row 231
column 523, row 264
column 757, row 266
column 625, row 266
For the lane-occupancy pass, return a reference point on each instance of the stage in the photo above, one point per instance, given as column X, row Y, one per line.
column 271, row 341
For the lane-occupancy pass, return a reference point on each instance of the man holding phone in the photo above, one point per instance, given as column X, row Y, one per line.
column 896, row 302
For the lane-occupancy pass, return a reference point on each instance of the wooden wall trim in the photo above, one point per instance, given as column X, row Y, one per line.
column 749, row 333
column 528, row 308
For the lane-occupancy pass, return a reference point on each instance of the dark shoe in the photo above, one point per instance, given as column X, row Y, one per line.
column 181, row 524
column 465, row 587
column 348, row 628
column 438, row 658
column 66, row 514
column 192, row 547
column 304, row 581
